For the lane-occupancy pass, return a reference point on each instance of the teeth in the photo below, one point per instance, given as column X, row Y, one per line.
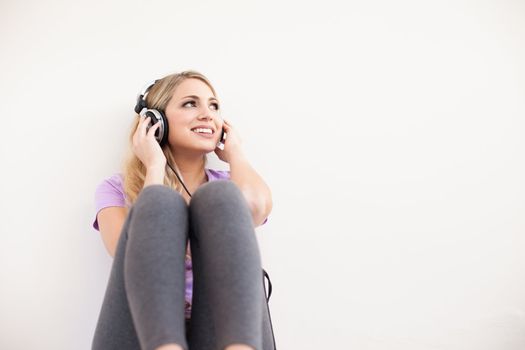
column 207, row 131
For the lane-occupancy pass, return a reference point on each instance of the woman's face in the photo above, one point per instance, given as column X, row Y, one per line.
column 191, row 105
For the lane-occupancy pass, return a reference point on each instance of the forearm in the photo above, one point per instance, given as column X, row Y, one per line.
column 154, row 176
column 255, row 190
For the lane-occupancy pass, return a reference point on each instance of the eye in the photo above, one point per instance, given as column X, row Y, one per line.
column 193, row 103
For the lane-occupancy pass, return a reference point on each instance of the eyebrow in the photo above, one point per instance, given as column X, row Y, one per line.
column 197, row 97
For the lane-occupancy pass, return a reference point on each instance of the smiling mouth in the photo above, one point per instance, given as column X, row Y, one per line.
column 205, row 135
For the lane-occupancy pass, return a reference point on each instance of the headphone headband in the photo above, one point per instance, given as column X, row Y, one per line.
column 141, row 97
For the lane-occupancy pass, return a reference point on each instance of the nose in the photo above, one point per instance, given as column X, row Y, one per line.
column 207, row 114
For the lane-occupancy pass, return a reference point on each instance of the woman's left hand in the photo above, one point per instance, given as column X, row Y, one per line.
column 232, row 143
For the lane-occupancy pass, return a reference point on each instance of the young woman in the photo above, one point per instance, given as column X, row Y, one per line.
column 187, row 270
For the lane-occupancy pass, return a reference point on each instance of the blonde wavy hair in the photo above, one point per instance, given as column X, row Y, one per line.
column 158, row 97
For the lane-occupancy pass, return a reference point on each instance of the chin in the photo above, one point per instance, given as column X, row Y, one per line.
column 204, row 146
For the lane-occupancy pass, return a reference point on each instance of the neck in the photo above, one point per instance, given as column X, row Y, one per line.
column 190, row 167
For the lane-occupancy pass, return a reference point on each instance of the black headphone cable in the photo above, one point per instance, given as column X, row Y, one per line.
column 179, row 178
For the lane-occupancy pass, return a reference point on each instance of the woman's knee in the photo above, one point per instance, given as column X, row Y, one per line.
column 218, row 207
column 159, row 196
column 218, row 200
column 217, row 192
column 160, row 211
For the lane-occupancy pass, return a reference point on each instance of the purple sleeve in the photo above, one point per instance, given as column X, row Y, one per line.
column 109, row 193
column 219, row 174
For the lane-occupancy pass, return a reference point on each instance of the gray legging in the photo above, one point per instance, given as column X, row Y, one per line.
column 143, row 306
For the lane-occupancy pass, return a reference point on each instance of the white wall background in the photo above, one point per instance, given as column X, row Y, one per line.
column 390, row 132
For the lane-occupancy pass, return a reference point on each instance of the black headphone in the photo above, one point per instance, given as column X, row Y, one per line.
column 156, row 115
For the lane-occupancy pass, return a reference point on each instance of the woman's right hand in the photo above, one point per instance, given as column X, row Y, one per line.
column 146, row 147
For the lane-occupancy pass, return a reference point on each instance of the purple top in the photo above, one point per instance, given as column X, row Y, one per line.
column 110, row 193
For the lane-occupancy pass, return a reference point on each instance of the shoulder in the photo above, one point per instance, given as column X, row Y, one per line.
column 110, row 191
column 114, row 180
column 217, row 174
column 113, row 183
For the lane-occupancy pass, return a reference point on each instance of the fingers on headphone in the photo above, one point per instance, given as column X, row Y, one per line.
column 154, row 128
column 144, row 124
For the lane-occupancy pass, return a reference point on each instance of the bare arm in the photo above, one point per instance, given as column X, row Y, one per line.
column 110, row 221
column 255, row 190
column 154, row 176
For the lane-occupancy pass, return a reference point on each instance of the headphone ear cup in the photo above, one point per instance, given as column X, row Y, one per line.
column 165, row 129
column 161, row 134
